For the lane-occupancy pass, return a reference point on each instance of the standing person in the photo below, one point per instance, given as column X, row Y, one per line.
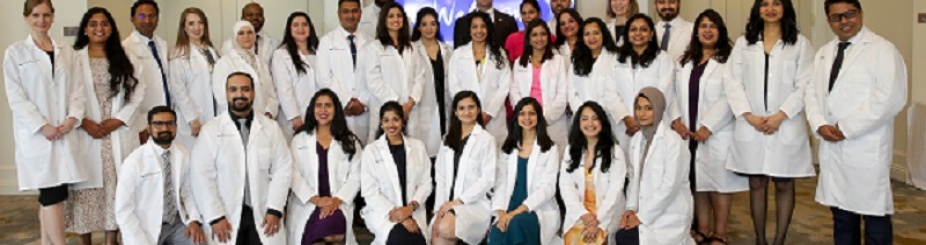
column 659, row 205
column 369, row 19
column 568, row 33
column 481, row 67
column 708, row 126
column 110, row 127
column 557, row 7
column 858, row 85
column 592, row 78
column 543, row 75
column 592, row 176
column 514, row 44
column 293, row 69
column 527, row 172
column 429, row 44
column 672, row 31
column 242, row 58
column 396, row 182
column 154, row 199
column 326, row 175
column 504, row 25
column 619, row 11
column 191, row 65
column 337, row 67
column 264, row 44
column 150, row 51
column 47, row 102
column 463, row 181
column 241, row 171
column 768, row 71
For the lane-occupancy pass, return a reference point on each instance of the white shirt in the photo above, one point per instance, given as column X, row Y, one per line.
column 679, row 36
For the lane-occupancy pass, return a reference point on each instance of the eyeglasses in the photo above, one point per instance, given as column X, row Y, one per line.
column 851, row 14
column 161, row 124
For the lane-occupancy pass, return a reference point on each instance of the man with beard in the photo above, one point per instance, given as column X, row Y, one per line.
column 672, row 32
column 265, row 44
column 557, row 6
column 370, row 17
column 241, row 171
column 154, row 201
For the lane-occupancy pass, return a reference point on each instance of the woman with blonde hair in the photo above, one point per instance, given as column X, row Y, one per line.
column 191, row 64
column 619, row 11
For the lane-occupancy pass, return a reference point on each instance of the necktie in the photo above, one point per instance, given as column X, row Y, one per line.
column 256, row 44
column 665, row 37
column 353, row 49
column 170, row 208
column 245, row 132
column 154, row 52
column 837, row 64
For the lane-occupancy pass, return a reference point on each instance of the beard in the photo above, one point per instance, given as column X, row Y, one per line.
column 664, row 14
column 163, row 138
column 234, row 106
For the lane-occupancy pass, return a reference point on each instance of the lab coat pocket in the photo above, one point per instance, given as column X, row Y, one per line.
column 713, row 90
column 793, row 132
column 788, row 74
column 743, row 131
column 264, row 157
column 30, row 71
column 32, row 144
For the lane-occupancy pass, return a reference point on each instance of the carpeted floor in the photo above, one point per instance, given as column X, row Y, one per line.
column 811, row 223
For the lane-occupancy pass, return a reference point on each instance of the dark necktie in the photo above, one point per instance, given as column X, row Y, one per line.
column 665, row 37
column 154, row 52
column 837, row 64
column 353, row 49
column 256, row 44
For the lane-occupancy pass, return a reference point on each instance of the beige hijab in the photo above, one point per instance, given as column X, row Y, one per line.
column 657, row 99
column 247, row 54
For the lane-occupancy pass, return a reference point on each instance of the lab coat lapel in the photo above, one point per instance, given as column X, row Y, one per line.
column 702, row 91
column 853, row 52
column 389, row 165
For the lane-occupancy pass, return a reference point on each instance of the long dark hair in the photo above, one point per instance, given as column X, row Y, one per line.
column 561, row 37
column 582, row 59
column 382, row 33
column 532, row 3
column 455, row 132
column 121, row 71
column 392, row 106
column 652, row 47
column 529, row 49
column 756, row 25
column 578, row 143
column 289, row 42
column 339, row 129
column 514, row 129
column 494, row 49
column 695, row 47
column 416, row 34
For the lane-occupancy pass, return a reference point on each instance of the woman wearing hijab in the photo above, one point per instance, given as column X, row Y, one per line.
column 659, row 202
column 243, row 59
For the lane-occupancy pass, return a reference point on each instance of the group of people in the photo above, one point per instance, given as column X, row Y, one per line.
column 572, row 131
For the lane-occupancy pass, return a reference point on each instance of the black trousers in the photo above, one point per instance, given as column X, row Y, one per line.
column 628, row 236
column 401, row 236
column 847, row 228
column 247, row 231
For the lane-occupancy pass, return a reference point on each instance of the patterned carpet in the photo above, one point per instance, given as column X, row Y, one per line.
column 811, row 223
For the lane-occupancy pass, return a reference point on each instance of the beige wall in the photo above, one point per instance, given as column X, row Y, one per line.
column 919, row 55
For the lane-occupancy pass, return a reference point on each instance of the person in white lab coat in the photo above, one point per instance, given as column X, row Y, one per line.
column 326, row 175
column 264, row 44
column 619, row 11
column 396, row 181
column 151, row 54
column 858, row 85
column 242, row 59
column 154, row 199
column 241, row 168
column 369, row 18
column 481, row 66
column 568, row 33
column 592, row 77
column 557, row 7
column 707, row 124
column 430, row 46
column 659, row 201
column 191, row 65
column 592, row 176
column 337, row 67
column 543, row 75
column 110, row 125
column 672, row 31
column 514, row 44
column 47, row 100
column 293, row 69
column 525, row 183
column 464, row 174
column 767, row 73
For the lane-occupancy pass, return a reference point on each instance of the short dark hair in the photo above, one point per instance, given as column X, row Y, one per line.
column 143, row 2
column 161, row 109
column 349, row 1
column 828, row 3
column 240, row 73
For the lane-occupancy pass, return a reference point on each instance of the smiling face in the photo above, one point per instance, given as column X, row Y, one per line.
column 428, row 27
column 324, row 110
column 395, row 19
column 620, row 7
column 527, row 118
column 349, row 15
column 559, row 5
column 145, row 19
column 41, row 18
column 667, row 9
column 528, row 13
column 771, row 11
column 467, row 111
column 392, row 124
column 300, row 29
column 478, row 30
column 162, row 128
column 194, row 27
column 240, row 93
column 708, row 33
column 643, row 110
column 589, row 123
column 845, row 20
column 245, row 38
column 640, row 33
column 255, row 14
column 592, row 36
column 539, row 38
column 568, row 25
column 98, row 28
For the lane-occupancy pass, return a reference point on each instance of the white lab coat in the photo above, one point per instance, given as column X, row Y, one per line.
column 471, row 185
column 714, row 114
column 609, row 190
column 630, row 80
column 787, row 152
column 554, row 82
column 294, row 89
column 266, row 100
column 336, row 71
column 662, row 198
column 381, row 187
column 369, row 19
column 191, row 79
column 266, row 44
column 125, row 138
column 869, row 92
column 679, row 36
column 136, row 46
column 600, row 86
column 343, row 180
column 612, row 23
column 139, row 193
column 220, row 163
column 430, row 131
column 491, row 85
column 542, row 172
column 41, row 93
column 392, row 76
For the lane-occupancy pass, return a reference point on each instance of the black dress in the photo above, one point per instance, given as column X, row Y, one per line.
column 398, row 234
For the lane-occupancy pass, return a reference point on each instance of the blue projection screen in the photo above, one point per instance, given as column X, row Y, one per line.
column 450, row 10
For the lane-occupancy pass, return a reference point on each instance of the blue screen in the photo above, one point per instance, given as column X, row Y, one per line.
column 450, row 10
